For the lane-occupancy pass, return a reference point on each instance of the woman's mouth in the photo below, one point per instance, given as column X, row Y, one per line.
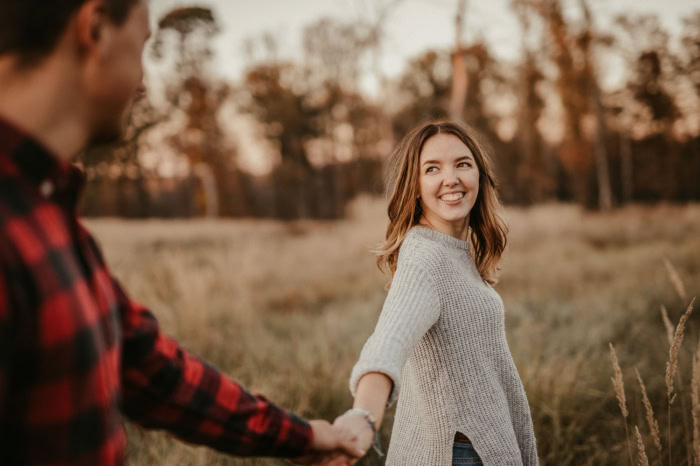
column 451, row 198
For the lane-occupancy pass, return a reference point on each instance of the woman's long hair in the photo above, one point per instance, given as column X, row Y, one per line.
column 487, row 229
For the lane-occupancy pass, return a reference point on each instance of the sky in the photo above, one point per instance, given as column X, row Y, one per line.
column 412, row 27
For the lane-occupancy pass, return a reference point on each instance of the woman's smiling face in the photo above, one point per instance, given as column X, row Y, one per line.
column 448, row 184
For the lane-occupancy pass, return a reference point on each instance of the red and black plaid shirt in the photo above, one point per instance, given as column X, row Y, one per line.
column 76, row 352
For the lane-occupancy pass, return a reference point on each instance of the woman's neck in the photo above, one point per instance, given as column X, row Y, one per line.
column 459, row 229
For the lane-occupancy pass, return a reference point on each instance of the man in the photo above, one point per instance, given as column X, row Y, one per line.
column 75, row 351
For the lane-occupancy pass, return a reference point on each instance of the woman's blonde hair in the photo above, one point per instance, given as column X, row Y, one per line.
column 487, row 229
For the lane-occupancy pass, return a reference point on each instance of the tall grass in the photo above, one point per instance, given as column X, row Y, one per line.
column 619, row 386
column 651, row 419
column 286, row 308
column 675, row 339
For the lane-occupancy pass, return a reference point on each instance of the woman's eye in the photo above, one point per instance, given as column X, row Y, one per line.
column 430, row 169
column 464, row 164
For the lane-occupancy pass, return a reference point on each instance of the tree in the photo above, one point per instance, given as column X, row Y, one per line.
column 284, row 108
column 193, row 94
column 423, row 90
column 589, row 72
column 337, row 57
column 647, row 104
column 335, row 51
column 460, row 78
column 532, row 175
column 691, row 45
column 571, row 51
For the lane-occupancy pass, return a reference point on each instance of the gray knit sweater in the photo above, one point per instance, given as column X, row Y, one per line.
column 441, row 339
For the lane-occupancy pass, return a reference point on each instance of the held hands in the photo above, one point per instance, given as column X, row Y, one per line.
column 335, row 445
column 357, row 425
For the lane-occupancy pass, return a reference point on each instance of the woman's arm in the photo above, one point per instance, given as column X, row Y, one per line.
column 372, row 395
column 373, row 391
column 412, row 307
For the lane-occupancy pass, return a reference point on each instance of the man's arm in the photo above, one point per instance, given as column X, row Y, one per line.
column 166, row 387
column 5, row 338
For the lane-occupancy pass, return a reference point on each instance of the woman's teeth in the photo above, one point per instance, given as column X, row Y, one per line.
column 452, row 196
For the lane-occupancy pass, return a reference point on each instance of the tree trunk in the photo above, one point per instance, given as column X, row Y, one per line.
column 208, row 183
column 601, row 154
column 626, row 169
column 460, row 81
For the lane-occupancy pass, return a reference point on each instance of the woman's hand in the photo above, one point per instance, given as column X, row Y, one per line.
column 356, row 426
column 332, row 446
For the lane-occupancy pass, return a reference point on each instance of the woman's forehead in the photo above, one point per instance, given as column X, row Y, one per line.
column 444, row 147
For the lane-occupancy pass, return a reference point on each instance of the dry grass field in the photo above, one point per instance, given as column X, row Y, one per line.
column 285, row 309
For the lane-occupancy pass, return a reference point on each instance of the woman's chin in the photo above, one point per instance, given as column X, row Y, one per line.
column 454, row 217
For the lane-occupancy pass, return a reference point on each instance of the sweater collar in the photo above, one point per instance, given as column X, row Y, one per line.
column 441, row 238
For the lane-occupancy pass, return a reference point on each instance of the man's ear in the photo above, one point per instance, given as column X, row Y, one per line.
column 90, row 24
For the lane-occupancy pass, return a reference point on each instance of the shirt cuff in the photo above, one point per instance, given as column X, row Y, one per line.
column 297, row 438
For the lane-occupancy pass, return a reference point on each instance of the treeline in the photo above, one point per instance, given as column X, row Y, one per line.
column 287, row 193
column 554, row 131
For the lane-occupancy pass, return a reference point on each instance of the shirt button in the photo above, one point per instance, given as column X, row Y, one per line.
column 46, row 188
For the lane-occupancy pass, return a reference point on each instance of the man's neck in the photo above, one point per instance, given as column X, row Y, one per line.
column 41, row 101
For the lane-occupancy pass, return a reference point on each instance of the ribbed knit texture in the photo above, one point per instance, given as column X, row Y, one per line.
column 441, row 339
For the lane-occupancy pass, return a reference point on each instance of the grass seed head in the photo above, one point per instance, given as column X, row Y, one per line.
column 672, row 364
column 643, row 460
column 651, row 420
column 667, row 324
column 675, row 279
column 618, row 382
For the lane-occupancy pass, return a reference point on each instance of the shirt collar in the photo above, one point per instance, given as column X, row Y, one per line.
column 25, row 159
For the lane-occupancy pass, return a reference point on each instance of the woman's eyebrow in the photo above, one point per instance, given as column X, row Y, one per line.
column 459, row 159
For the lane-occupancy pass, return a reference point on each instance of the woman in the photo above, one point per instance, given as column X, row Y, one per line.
column 440, row 346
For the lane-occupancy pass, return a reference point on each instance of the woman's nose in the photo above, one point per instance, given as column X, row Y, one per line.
column 451, row 178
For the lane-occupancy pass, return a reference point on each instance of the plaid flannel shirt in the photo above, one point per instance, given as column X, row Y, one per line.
column 76, row 352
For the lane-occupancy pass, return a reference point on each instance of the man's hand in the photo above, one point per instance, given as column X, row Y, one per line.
column 332, row 446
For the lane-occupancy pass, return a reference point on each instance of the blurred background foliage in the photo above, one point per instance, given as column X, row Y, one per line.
column 555, row 132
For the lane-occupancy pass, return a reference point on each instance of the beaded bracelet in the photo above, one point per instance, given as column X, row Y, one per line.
column 376, row 445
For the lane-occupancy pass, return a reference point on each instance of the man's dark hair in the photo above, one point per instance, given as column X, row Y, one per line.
column 30, row 29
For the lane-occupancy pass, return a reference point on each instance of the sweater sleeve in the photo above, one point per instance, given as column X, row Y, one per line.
column 411, row 308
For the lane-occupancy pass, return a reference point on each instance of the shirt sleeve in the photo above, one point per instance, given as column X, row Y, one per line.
column 167, row 388
column 5, row 338
column 411, row 308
